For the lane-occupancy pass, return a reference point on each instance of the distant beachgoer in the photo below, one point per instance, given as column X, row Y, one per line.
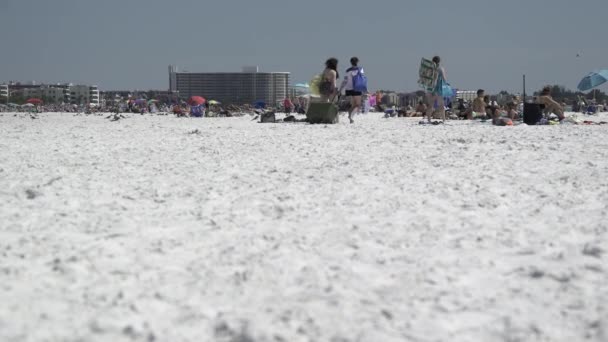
column 328, row 88
column 550, row 105
column 348, row 84
column 512, row 105
column 491, row 107
column 379, row 101
column 288, row 105
column 436, row 95
column 420, row 109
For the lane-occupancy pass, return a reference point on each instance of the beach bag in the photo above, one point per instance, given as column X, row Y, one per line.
column 360, row 81
column 322, row 113
column 446, row 90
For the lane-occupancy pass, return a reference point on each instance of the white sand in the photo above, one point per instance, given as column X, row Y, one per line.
column 379, row 231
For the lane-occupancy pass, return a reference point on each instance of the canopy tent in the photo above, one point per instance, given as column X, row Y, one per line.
column 213, row 102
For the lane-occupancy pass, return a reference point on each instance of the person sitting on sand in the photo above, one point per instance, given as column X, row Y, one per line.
column 512, row 105
column 491, row 107
column 550, row 105
column 419, row 111
column 478, row 108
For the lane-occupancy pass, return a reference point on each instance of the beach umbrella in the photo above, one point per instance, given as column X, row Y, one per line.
column 594, row 79
column 152, row 101
column 259, row 104
column 13, row 105
column 28, row 105
column 140, row 101
column 196, row 101
column 34, row 101
column 213, row 102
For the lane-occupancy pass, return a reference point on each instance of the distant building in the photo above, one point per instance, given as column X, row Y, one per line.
column 3, row 91
column 244, row 87
column 390, row 99
column 409, row 99
column 467, row 95
column 56, row 93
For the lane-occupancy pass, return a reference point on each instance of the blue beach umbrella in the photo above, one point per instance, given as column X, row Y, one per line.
column 259, row 104
column 593, row 80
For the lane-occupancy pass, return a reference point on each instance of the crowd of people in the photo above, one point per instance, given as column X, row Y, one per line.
column 356, row 100
column 483, row 107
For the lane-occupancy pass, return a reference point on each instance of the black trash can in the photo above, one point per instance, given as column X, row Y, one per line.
column 533, row 113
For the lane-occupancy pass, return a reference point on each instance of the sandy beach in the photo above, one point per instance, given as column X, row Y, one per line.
column 153, row 228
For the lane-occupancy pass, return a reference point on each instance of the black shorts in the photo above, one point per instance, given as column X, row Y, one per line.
column 353, row 93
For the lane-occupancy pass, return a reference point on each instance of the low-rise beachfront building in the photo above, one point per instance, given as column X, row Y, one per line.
column 56, row 93
column 244, row 87
column 47, row 93
column 466, row 95
column 3, row 91
column 390, row 99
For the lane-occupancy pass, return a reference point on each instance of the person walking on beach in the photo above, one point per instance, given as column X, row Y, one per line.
column 287, row 105
column 353, row 90
column 436, row 95
column 327, row 87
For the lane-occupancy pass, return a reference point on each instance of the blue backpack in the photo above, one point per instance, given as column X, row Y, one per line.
column 360, row 82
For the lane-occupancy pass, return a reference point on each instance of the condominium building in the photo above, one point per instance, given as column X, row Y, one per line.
column 3, row 91
column 81, row 94
column 55, row 93
column 244, row 87
column 48, row 93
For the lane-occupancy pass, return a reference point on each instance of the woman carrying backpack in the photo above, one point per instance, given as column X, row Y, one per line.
column 355, row 84
column 327, row 87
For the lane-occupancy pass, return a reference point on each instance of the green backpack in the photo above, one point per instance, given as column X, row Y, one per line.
column 427, row 75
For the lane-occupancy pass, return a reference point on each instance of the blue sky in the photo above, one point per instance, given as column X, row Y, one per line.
column 128, row 44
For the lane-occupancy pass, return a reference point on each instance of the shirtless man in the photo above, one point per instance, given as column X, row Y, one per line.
column 550, row 105
column 478, row 108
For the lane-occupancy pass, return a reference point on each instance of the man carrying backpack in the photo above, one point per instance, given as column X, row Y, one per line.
column 355, row 84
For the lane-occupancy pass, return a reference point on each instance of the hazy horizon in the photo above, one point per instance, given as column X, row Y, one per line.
column 129, row 45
